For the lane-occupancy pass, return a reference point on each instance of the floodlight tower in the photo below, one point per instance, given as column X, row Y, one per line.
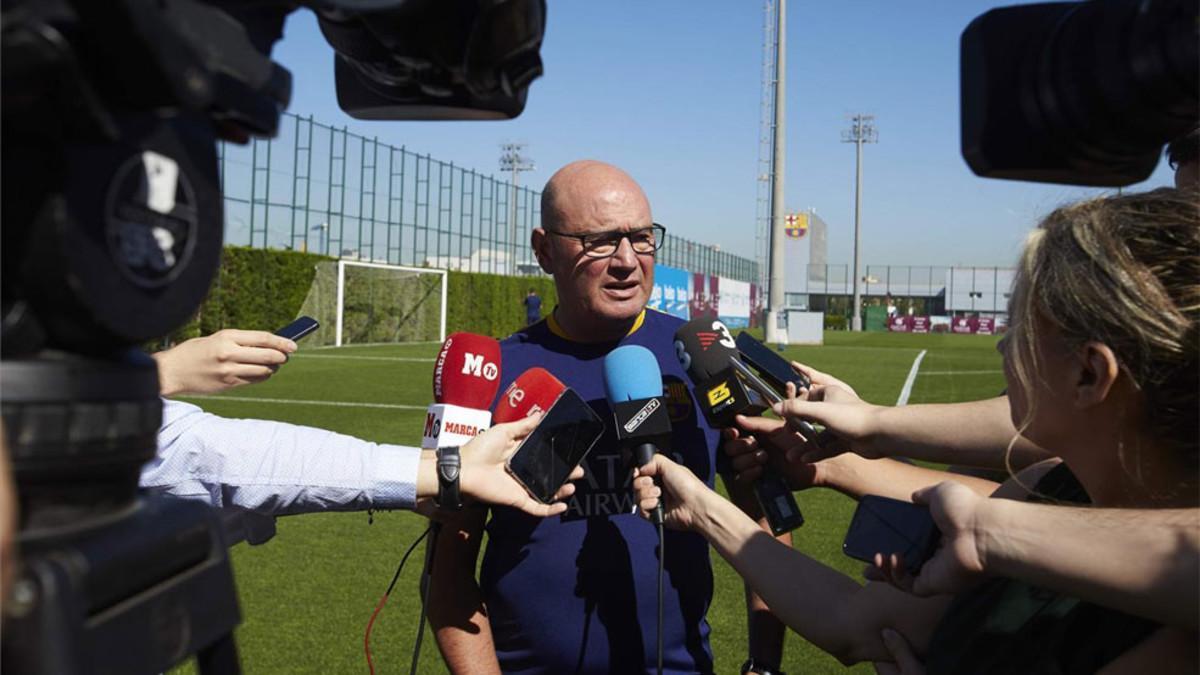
column 778, row 135
column 513, row 161
column 862, row 130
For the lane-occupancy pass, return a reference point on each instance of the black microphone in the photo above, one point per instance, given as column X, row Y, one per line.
column 726, row 388
column 633, row 386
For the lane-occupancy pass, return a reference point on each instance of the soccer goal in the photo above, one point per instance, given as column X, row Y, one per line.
column 373, row 303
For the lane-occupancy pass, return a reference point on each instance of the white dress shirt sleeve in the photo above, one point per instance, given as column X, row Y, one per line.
column 275, row 468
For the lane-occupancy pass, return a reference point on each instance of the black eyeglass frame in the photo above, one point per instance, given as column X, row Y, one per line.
column 660, row 239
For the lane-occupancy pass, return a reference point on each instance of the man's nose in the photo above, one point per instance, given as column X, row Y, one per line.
column 625, row 257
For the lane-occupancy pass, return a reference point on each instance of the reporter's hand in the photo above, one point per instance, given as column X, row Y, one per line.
column 757, row 441
column 958, row 564
column 485, row 479
column 224, row 360
column 847, row 418
column 904, row 661
column 821, row 379
column 682, row 493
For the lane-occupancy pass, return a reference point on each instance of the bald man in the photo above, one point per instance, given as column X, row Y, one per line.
column 577, row 594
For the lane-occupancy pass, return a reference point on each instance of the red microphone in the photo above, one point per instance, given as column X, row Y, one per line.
column 533, row 392
column 466, row 377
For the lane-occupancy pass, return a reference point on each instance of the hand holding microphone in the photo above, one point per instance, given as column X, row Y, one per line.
column 466, row 378
column 485, row 475
column 633, row 386
column 727, row 388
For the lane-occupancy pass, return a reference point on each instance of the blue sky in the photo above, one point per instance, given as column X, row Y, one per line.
column 670, row 91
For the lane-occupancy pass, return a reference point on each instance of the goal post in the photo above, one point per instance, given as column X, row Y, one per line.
column 376, row 303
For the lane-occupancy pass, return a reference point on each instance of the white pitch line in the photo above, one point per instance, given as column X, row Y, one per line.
column 961, row 372
column 410, row 359
column 336, row 404
column 906, row 390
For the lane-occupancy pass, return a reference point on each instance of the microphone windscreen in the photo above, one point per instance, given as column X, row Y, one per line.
column 631, row 373
column 704, row 347
column 534, row 391
column 467, row 371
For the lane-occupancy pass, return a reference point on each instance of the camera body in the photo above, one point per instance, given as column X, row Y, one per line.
column 1082, row 93
column 113, row 224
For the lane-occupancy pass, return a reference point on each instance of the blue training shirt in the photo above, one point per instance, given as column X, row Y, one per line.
column 577, row 593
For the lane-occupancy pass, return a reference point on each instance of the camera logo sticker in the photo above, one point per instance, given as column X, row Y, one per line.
column 474, row 365
column 633, row 424
column 719, row 393
column 151, row 219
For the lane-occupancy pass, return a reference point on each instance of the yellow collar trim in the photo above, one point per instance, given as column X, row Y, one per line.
column 555, row 328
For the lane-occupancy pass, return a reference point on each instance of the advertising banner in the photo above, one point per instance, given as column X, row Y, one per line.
column 899, row 324
column 704, row 296
column 920, row 324
column 962, row 324
column 672, row 291
column 987, row 325
column 734, row 306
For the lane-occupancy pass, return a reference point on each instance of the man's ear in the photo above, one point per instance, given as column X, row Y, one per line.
column 1098, row 371
column 540, row 242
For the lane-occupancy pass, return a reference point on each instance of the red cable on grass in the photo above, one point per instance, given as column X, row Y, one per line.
column 383, row 601
column 367, row 635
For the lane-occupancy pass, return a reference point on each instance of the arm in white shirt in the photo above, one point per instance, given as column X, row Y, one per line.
column 276, row 468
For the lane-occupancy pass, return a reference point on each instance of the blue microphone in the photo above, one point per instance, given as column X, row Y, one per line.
column 633, row 386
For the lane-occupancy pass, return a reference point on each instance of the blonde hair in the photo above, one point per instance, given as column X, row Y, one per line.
column 1123, row 271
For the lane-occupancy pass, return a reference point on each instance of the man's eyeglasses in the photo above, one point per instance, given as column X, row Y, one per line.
column 644, row 241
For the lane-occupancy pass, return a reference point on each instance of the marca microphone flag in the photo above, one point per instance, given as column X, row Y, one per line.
column 533, row 392
column 467, row 371
column 466, row 377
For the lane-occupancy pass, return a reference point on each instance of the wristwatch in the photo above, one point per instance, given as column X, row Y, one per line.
column 750, row 666
column 449, row 469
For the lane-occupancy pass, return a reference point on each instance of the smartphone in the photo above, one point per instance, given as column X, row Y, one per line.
column 551, row 451
column 777, row 502
column 885, row 525
column 774, row 368
column 298, row 328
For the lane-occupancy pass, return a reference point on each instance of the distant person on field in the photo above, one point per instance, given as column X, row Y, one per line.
column 533, row 307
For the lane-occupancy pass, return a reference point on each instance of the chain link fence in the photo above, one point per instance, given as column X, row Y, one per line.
column 325, row 190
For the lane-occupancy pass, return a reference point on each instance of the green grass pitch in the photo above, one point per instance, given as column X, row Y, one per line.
column 307, row 594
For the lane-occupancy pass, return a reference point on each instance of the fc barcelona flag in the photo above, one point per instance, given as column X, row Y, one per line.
column 795, row 225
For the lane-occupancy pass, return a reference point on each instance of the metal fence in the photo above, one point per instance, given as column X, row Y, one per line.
column 323, row 189
column 939, row 289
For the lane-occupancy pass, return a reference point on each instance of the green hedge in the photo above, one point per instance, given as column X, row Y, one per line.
column 264, row 289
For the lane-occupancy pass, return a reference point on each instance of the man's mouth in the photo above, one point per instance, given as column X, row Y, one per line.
column 622, row 288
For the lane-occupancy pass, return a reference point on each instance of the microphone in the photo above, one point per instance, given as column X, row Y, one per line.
column 466, row 377
column 633, row 386
column 709, row 354
column 534, row 391
column 706, row 351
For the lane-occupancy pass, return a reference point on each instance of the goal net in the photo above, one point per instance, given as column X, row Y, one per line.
column 373, row 303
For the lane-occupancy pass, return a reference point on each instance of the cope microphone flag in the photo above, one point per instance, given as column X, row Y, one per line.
column 466, row 377
column 709, row 354
column 634, row 388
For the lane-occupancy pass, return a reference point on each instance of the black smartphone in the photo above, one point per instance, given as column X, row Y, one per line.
column 885, row 525
column 774, row 368
column 777, row 502
column 298, row 328
column 551, row 451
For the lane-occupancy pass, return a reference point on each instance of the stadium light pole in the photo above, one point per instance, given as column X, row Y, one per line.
column 862, row 130
column 778, row 134
column 513, row 161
